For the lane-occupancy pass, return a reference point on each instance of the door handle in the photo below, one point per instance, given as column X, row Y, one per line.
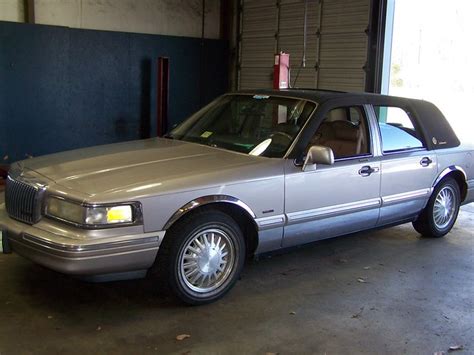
column 367, row 170
column 425, row 161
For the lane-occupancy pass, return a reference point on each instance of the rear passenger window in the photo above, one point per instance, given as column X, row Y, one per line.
column 397, row 129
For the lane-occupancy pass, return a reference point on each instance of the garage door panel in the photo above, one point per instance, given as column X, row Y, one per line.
column 292, row 19
column 340, row 52
column 254, row 78
column 259, row 26
column 252, row 4
column 305, row 79
column 340, row 16
column 343, row 51
column 343, row 45
column 342, row 79
column 294, row 46
column 259, row 21
column 258, row 52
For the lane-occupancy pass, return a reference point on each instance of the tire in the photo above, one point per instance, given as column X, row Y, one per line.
column 201, row 257
column 441, row 212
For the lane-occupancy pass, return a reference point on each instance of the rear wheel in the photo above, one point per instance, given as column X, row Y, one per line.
column 202, row 256
column 441, row 212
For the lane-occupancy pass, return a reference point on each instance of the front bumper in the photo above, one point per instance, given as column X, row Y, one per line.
column 81, row 257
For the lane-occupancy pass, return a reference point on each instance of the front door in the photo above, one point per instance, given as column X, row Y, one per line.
column 335, row 199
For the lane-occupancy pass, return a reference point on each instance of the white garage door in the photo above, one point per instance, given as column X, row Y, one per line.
column 336, row 42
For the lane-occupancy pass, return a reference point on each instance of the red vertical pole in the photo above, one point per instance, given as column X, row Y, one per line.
column 163, row 95
column 276, row 72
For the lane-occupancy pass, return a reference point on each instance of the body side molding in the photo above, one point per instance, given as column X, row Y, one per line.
column 205, row 200
column 271, row 222
column 332, row 211
column 406, row 196
column 470, row 184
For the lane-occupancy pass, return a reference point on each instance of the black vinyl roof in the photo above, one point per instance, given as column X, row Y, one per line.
column 436, row 130
column 320, row 95
column 306, row 94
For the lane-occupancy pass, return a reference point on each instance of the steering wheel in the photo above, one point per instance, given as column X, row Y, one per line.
column 283, row 134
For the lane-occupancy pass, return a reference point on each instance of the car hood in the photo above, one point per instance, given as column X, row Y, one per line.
column 143, row 167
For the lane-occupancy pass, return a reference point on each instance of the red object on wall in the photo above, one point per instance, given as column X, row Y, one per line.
column 3, row 175
column 281, row 71
column 163, row 95
column 3, row 171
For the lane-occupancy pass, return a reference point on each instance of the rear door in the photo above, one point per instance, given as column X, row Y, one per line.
column 407, row 167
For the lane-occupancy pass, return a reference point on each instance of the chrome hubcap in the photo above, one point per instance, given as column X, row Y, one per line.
column 444, row 207
column 207, row 260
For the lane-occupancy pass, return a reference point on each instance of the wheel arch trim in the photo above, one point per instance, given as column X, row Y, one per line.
column 448, row 170
column 206, row 200
column 451, row 169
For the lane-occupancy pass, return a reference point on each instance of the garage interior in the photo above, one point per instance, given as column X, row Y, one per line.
column 79, row 73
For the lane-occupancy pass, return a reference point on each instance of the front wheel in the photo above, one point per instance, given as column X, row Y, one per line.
column 202, row 256
column 441, row 212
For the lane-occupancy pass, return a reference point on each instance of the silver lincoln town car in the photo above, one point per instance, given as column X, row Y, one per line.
column 250, row 173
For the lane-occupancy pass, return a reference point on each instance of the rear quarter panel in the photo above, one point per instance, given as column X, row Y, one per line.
column 461, row 157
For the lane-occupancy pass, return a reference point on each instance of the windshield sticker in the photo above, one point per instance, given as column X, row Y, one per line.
column 261, row 97
column 206, row 134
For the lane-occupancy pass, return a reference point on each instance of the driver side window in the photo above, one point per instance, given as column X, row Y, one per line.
column 345, row 131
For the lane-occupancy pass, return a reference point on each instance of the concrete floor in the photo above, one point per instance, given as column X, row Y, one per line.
column 417, row 298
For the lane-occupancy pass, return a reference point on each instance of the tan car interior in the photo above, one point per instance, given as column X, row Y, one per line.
column 344, row 130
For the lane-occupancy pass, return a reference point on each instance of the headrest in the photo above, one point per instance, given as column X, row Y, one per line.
column 337, row 114
column 346, row 130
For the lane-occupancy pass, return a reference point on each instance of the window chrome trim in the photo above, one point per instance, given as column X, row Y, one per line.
column 354, row 157
column 401, row 151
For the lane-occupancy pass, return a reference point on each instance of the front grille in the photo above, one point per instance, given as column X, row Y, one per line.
column 21, row 200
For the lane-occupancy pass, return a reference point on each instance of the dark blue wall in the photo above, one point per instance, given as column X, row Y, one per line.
column 63, row 88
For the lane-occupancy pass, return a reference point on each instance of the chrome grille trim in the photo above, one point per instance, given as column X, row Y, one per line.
column 22, row 201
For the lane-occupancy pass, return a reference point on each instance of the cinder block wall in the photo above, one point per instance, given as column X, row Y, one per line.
column 64, row 88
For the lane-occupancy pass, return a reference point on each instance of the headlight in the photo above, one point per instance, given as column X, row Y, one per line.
column 91, row 216
column 109, row 215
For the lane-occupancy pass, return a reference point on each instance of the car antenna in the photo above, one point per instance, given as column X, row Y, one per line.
column 303, row 59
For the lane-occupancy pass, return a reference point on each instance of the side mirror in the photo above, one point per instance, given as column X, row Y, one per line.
column 318, row 154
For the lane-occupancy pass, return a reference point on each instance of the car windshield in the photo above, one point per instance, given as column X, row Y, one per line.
column 253, row 124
